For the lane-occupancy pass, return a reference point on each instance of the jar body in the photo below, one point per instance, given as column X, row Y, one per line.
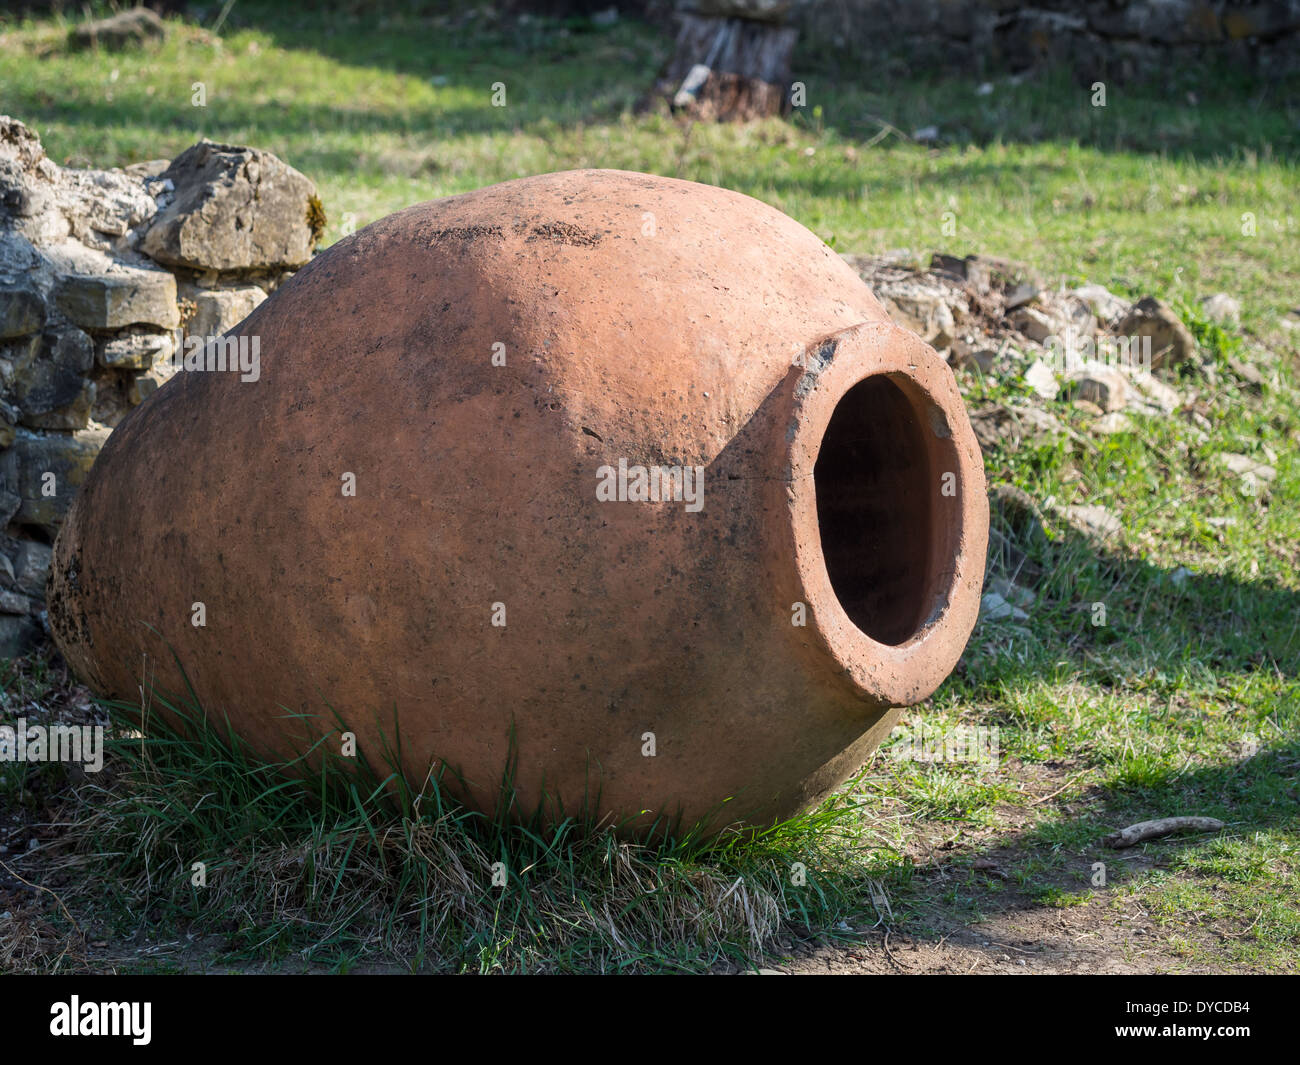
column 621, row 481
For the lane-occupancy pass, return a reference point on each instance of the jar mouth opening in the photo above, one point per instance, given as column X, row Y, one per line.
column 889, row 511
column 884, row 538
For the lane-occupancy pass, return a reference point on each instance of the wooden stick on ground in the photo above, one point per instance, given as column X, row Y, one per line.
column 1165, row 826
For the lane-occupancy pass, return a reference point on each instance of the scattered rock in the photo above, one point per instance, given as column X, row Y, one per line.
column 1221, row 308
column 929, row 305
column 1171, row 340
column 1020, row 295
column 1076, row 316
column 995, row 608
column 1040, row 378
column 926, row 314
column 1247, row 373
column 951, row 266
column 1012, row 592
column 1102, row 302
column 1033, row 324
column 1150, row 395
column 1105, row 387
column 1093, row 520
column 1109, row 424
column 982, row 360
column 987, row 274
column 1245, row 466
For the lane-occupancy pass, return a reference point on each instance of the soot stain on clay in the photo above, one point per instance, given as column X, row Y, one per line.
column 555, row 232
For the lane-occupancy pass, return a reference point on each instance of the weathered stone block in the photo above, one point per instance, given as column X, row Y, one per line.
column 46, row 469
column 16, row 356
column 235, row 209
column 22, row 311
column 140, row 387
column 129, row 295
column 19, row 633
column 9, row 503
column 30, row 562
column 56, row 377
column 133, row 350
column 12, row 602
column 111, row 404
column 218, row 310
column 73, row 415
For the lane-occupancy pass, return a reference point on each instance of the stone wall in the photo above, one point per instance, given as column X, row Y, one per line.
column 1127, row 38
column 104, row 276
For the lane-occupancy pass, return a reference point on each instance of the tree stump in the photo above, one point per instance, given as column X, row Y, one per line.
column 727, row 68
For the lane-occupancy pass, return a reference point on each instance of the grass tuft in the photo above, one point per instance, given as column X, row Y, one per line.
column 336, row 866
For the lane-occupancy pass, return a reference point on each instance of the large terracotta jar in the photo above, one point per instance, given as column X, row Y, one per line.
column 625, row 479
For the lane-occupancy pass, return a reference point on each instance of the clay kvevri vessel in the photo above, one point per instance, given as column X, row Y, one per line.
column 501, row 376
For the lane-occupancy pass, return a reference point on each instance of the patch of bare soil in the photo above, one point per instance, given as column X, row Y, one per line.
column 1089, row 939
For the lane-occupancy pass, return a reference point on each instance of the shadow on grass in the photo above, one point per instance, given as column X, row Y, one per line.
column 1015, row 882
column 1181, row 648
column 1155, row 622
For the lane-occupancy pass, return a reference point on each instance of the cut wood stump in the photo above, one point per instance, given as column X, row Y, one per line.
column 727, row 68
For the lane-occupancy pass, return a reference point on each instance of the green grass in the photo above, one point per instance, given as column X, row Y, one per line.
column 337, row 865
column 1186, row 701
column 1146, row 193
